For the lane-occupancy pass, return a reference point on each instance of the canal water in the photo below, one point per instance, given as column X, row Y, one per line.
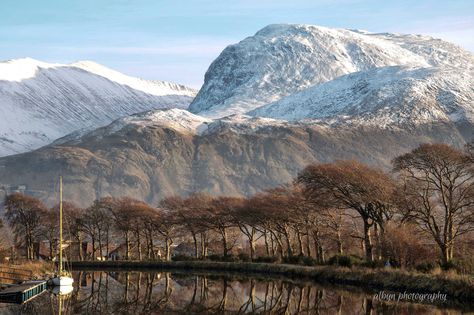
column 100, row 292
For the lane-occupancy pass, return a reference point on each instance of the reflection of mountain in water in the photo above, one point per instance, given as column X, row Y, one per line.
column 166, row 293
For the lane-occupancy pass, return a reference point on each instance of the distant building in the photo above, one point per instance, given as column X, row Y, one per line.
column 6, row 189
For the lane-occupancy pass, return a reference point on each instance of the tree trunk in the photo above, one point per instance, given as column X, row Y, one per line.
column 339, row 243
column 317, row 246
column 367, row 241
column 139, row 246
column 279, row 245
column 252, row 244
column 267, row 247
column 224, row 241
column 321, row 253
column 127, row 245
column 168, row 249
column 378, row 241
column 93, row 248
column 444, row 254
column 107, row 244
column 50, row 250
column 100, row 246
column 300, row 242
column 289, row 250
column 152, row 250
column 308, row 243
column 196, row 251
column 450, row 243
column 203, row 245
column 81, row 254
column 147, row 243
column 27, row 247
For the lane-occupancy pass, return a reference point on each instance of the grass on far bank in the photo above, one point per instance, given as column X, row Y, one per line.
column 39, row 269
column 457, row 287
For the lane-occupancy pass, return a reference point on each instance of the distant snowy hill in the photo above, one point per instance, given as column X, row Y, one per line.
column 40, row 102
column 280, row 60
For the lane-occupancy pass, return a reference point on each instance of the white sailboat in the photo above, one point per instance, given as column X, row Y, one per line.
column 63, row 278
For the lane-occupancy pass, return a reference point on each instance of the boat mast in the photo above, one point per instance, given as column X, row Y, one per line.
column 60, row 225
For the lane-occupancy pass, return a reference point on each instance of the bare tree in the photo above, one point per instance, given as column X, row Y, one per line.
column 125, row 211
column 72, row 216
column 221, row 220
column 96, row 223
column 23, row 214
column 49, row 230
column 352, row 185
column 438, row 192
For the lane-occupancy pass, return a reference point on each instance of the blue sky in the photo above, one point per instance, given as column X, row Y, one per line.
column 176, row 40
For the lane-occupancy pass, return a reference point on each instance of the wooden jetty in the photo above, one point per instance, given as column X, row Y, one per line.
column 23, row 292
column 16, row 286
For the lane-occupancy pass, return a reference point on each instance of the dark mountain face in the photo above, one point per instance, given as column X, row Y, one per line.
column 150, row 162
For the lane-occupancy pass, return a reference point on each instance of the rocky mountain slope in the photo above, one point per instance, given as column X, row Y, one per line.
column 40, row 102
column 143, row 157
column 280, row 60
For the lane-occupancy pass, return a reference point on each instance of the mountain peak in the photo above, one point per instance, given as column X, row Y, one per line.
column 282, row 59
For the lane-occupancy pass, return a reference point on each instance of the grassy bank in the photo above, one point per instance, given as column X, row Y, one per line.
column 457, row 287
column 25, row 270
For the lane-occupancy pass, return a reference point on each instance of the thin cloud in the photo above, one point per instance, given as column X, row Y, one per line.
column 187, row 47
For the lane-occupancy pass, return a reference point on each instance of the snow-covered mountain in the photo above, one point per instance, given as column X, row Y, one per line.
column 280, row 60
column 40, row 102
column 271, row 104
column 383, row 96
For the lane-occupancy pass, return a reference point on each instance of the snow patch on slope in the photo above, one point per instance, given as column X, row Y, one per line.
column 382, row 96
column 177, row 119
column 158, row 88
column 181, row 121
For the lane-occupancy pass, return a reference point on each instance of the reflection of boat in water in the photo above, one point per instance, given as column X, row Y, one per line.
column 62, row 293
column 63, row 277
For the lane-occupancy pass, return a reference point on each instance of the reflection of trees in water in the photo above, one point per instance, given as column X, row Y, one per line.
column 158, row 293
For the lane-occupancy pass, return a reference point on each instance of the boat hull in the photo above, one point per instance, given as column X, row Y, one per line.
column 62, row 290
column 62, row 281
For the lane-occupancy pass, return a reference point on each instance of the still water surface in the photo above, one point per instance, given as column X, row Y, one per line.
column 136, row 293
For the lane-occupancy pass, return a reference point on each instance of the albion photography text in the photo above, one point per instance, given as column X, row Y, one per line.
column 410, row 296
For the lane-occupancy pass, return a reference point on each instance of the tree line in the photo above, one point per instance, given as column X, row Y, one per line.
column 423, row 209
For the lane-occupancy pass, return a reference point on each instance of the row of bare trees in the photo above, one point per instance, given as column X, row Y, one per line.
column 334, row 208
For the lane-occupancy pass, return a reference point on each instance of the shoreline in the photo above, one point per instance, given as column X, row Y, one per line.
column 457, row 288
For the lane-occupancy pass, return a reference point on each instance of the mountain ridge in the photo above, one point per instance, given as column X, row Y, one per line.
column 40, row 102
